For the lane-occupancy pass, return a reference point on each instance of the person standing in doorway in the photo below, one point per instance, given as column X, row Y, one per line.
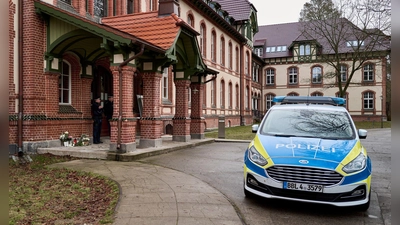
column 97, row 113
column 108, row 111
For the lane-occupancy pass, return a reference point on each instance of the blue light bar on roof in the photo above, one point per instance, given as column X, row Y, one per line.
column 309, row 100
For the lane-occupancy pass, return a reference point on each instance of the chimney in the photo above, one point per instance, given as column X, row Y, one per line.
column 166, row 7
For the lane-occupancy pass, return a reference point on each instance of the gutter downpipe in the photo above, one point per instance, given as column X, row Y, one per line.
column 20, row 79
column 120, row 93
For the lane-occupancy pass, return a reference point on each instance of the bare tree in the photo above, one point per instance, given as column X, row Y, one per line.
column 346, row 30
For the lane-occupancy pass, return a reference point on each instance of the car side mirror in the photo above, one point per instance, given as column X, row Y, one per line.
column 254, row 128
column 362, row 133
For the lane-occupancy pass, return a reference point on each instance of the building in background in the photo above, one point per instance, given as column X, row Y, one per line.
column 296, row 65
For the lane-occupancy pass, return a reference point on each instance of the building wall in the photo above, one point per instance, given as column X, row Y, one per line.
column 355, row 90
column 226, row 74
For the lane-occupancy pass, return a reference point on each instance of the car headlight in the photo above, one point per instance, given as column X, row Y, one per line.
column 256, row 157
column 356, row 164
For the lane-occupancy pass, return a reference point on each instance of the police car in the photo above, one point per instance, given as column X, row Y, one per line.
column 308, row 149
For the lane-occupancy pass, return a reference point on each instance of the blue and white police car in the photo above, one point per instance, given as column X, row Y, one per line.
column 308, row 149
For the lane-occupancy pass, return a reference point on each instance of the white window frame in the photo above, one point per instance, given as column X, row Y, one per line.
column 270, row 76
column 369, row 69
column 343, row 73
column 61, row 84
column 268, row 101
column 293, row 75
column 202, row 28
column 165, row 83
column 368, row 100
column 316, row 75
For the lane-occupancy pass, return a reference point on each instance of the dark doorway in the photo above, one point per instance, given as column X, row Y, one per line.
column 102, row 86
column 169, row 129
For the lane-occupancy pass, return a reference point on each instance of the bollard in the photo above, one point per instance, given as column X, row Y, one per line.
column 221, row 126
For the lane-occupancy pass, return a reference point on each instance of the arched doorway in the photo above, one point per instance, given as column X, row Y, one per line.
column 102, row 86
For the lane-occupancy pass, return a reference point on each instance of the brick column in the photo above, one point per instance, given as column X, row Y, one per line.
column 128, row 123
column 196, row 116
column 150, row 123
column 181, row 120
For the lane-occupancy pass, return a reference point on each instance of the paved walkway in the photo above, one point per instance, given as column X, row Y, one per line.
column 150, row 194
column 154, row 195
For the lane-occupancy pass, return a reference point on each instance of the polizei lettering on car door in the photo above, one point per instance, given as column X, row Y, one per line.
column 306, row 147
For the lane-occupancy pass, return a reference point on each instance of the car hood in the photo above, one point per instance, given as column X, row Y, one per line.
column 283, row 148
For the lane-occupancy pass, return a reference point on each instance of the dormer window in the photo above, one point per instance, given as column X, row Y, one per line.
column 258, row 51
column 305, row 49
column 354, row 43
column 281, row 48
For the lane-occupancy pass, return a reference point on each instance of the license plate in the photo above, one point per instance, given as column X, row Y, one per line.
column 303, row 187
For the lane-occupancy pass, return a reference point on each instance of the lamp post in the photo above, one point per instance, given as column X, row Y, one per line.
column 381, row 111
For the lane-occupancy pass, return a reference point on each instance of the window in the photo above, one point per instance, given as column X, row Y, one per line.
column 268, row 101
column 268, row 49
column 316, row 75
column 230, row 95
column 255, row 72
column 368, row 100
column 368, row 72
column 204, row 95
column 293, row 94
column 254, row 101
column 273, row 49
column 190, row 20
column 213, row 46
column 258, row 52
column 100, row 8
column 222, row 94
column 270, row 76
column 230, row 55
column 130, row 8
column 189, row 96
column 222, row 51
column 151, row 5
column 165, row 83
column 237, row 96
column 292, row 75
column 305, row 49
column 246, row 64
column 246, row 98
column 343, row 73
column 64, row 84
column 212, row 92
column 203, row 40
column 317, row 94
column 237, row 59
column 354, row 43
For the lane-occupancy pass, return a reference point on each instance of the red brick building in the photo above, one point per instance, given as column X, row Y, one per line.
column 157, row 66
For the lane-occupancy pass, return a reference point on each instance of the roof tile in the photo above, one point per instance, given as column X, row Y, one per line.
column 160, row 31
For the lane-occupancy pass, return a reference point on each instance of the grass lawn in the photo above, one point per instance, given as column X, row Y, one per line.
column 244, row 132
column 40, row 195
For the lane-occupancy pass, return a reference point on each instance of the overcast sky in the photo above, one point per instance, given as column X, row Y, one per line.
column 278, row 11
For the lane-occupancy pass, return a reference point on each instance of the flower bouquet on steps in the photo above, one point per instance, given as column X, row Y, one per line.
column 83, row 140
column 65, row 139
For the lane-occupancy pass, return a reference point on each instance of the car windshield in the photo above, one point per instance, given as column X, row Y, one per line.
column 308, row 123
